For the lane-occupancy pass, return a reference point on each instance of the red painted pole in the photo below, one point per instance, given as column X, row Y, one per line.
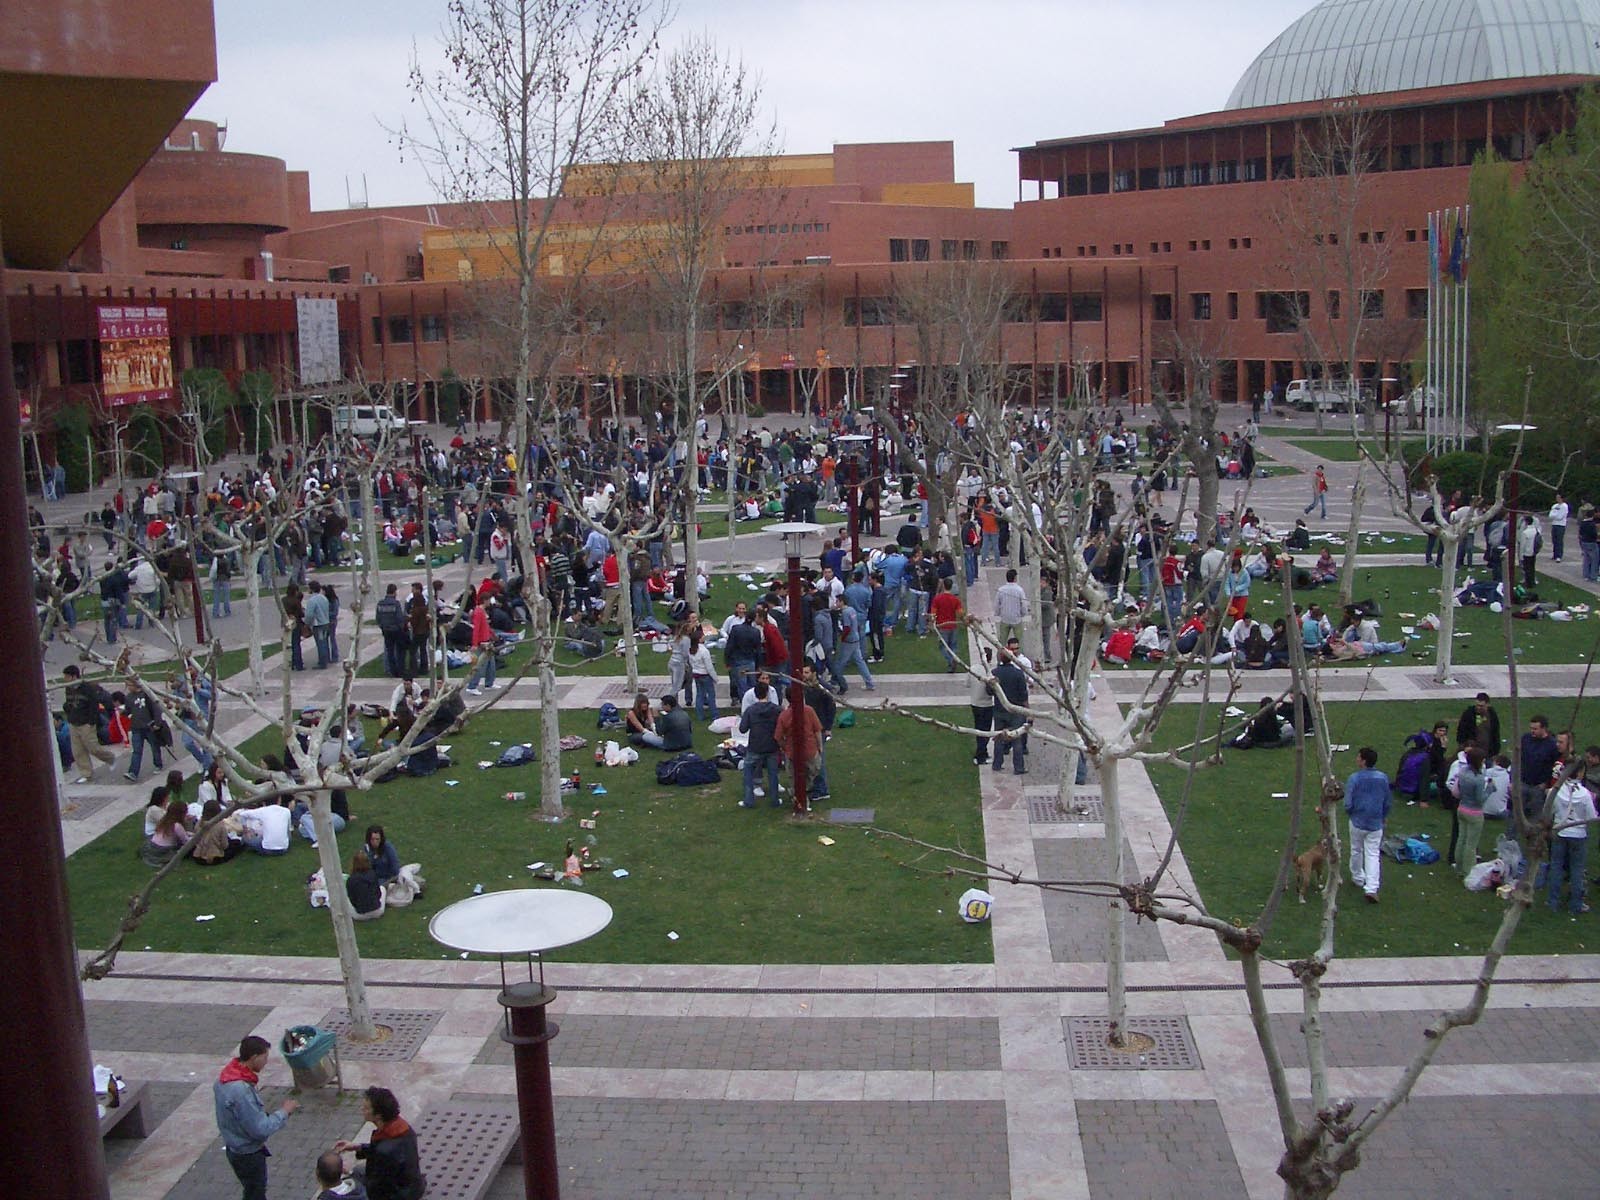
column 797, row 689
column 530, row 1032
column 51, row 1150
column 853, row 495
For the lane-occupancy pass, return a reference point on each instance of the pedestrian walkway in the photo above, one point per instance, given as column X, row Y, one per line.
column 972, row 1080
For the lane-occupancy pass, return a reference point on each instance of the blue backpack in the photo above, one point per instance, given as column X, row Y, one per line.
column 610, row 717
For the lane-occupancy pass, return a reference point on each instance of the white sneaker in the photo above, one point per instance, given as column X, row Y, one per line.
column 474, row 691
column 83, row 779
column 757, row 792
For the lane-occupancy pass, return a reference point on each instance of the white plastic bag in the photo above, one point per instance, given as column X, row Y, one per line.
column 1431, row 621
column 404, row 887
column 975, row 905
column 620, row 756
column 1485, row 875
column 317, row 889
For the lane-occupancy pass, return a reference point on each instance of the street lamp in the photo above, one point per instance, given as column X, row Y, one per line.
column 849, row 443
column 1388, row 382
column 794, row 534
column 1513, row 499
column 525, row 923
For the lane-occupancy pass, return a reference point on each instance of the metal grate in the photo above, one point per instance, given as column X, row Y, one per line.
column 1047, row 810
column 83, row 807
column 852, row 816
column 409, row 1028
column 1458, row 679
column 615, row 692
column 463, row 1145
column 1173, row 1049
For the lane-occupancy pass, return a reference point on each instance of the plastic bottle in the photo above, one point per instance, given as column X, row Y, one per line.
column 516, row 796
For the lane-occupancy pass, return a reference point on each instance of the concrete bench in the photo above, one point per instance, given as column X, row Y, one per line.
column 127, row 1119
column 463, row 1144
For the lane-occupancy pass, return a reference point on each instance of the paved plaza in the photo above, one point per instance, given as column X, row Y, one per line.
column 906, row 1081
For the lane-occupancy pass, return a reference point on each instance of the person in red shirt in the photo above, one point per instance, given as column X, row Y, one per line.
column 1172, row 583
column 946, row 607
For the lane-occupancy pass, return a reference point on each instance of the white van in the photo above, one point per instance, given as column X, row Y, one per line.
column 1308, row 395
column 367, row 420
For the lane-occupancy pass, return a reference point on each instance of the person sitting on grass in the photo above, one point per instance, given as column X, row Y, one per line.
column 169, row 836
column 384, row 857
column 1265, row 730
column 1324, row 571
column 640, row 719
column 218, row 841
column 673, row 731
column 584, row 637
column 363, row 889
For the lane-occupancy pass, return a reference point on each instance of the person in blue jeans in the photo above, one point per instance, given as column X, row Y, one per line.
column 850, row 645
column 760, row 721
column 1571, row 810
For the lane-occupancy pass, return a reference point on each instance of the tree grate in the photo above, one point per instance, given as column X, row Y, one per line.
column 1457, row 679
column 464, row 1146
column 1173, row 1049
column 408, row 1029
column 615, row 692
column 83, row 807
column 852, row 816
column 1081, row 809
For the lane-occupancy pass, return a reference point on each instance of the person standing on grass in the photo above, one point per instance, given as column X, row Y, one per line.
column 1559, row 512
column 1469, row 811
column 1530, row 540
column 1366, row 800
column 1571, row 810
column 242, row 1120
column 1319, row 493
column 946, row 607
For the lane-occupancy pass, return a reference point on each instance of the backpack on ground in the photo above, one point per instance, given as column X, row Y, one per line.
column 687, row 770
column 516, row 756
column 610, row 717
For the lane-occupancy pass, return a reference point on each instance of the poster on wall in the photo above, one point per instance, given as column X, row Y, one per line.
column 319, row 340
column 135, row 354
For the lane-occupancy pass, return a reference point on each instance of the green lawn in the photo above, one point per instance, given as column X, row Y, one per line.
column 1480, row 640
column 1234, row 831
column 736, row 885
column 712, row 515
column 1344, row 448
column 229, row 662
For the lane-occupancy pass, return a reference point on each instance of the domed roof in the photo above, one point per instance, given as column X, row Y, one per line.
column 1371, row 46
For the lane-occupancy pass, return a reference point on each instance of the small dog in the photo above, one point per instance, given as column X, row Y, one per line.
column 1312, row 864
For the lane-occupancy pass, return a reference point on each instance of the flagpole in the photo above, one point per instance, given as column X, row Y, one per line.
column 1466, row 307
column 1433, row 354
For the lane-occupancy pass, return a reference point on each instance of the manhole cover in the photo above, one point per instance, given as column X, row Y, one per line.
column 408, row 1029
column 852, row 816
column 1049, row 810
column 1171, row 1046
column 85, row 807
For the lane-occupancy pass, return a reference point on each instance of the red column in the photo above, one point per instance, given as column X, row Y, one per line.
column 530, row 1032
column 797, row 689
column 52, row 1146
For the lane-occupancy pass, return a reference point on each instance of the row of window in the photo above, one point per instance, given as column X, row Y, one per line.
column 1513, row 147
column 950, row 250
column 784, row 228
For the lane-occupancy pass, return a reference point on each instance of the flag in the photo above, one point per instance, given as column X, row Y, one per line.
column 1458, row 253
column 1433, row 245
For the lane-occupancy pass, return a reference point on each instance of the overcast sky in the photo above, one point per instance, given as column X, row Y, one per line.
column 315, row 83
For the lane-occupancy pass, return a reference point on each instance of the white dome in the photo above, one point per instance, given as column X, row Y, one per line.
column 1372, row 46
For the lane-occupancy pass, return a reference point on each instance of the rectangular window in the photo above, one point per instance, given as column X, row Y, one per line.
column 1233, row 243
column 1149, row 179
column 1000, row 251
column 399, row 329
column 1411, row 235
column 1077, row 185
column 1254, row 170
column 1200, row 305
column 868, row 311
column 919, row 249
column 1052, row 307
column 1417, row 303
column 899, row 250
column 1233, row 306
column 1172, row 177
column 377, row 330
column 1205, row 243
column 432, row 327
column 1228, row 172
column 1335, row 306
column 947, row 250
column 969, row 250
column 1199, row 174
column 1372, row 305
column 1193, row 245
column 1161, row 306
column 1155, row 247
column 1122, row 181
column 1087, row 306
column 1245, row 242
column 1404, row 158
column 1282, row 311
column 733, row 315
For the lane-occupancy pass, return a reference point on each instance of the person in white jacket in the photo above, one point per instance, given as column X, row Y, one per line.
column 1529, row 540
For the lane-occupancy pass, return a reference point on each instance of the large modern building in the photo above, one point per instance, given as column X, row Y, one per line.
column 1231, row 235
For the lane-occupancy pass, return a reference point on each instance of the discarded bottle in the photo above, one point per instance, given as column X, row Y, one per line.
column 113, row 1093
column 573, row 866
column 577, row 780
column 599, row 756
column 516, row 796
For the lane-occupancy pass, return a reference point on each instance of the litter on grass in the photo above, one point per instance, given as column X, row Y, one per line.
column 619, row 873
column 826, row 841
column 206, row 917
column 672, row 935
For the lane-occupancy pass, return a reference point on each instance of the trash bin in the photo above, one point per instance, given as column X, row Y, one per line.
column 312, row 1055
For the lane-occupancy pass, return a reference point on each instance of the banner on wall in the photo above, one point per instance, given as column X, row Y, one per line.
column 318, row 322
column 135, row 354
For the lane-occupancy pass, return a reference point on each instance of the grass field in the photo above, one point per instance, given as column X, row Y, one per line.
column 737, row 886
column 1234, row 830
column 1414, row 590
column 1343, row 448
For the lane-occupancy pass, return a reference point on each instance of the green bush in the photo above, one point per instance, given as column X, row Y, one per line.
column 1541, row 466
column 146, row 453
column 257, row 398
column 72, row 447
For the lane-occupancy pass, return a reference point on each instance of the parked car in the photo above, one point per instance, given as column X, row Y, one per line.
column 1309, row 395
column 1418, row 400
column 367, row 420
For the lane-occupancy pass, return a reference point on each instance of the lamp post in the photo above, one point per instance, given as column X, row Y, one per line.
column 526, row 923
column 1513, row 489
column 794, row 534
column 1388, row 382
column 850, row 444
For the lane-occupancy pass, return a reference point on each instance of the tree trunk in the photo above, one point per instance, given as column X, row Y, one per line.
column 731, row 493
column 1347, row 569
column 1077, row 669
column 1447, row 612
column 1116, row 916
column 630, row 643
column 344, row 929
column 252, row 606
column 1207, row 487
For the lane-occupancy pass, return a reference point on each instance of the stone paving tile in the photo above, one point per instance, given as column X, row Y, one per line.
column 1077, row 923
column 656, row 1150
column 1144, row 1150
column 161, row 1100
column 325, row 1116
column 1446, row 1147
column 768, row 1044
column 1383, row 1039
column 148, row 1025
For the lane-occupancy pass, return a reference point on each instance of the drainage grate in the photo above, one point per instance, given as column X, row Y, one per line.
column 615, row 692
column 1458, row 679
column 409, row 1028
column 464, row 1146
column 1173, row 1049
column 1083, row 809
column 82, row 808
column 852, row 816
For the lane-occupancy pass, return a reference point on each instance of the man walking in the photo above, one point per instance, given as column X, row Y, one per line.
column 1319, row 493
column 318, row 616
column 1010, row 727
column 1010, row 608
column 1366, row 800
column 851, row 641
column 83, row 703
column 946, row 609
column 242, row 1120
column 391, row 619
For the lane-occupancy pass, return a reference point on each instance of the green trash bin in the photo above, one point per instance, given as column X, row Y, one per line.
column 312, row 1055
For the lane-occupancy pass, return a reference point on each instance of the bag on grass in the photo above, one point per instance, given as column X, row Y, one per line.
column 317, row 889
column 687, row 770
column 610, row 718
column 516, row 756
column 1420, row 852
column 1509, row 853
column 404, row 887
column 1394, row 847
column 847, row 719
column 1486, row 875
